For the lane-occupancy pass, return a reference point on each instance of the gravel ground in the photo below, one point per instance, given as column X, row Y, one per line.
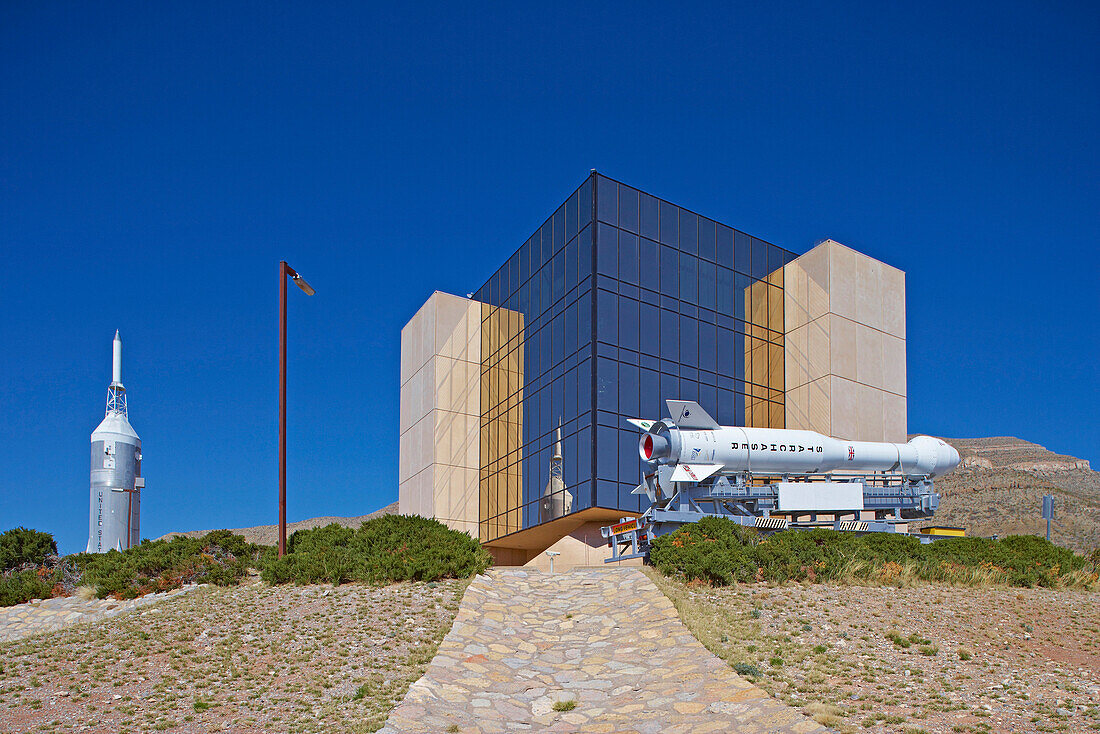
column 243, row 659
column 923, row 659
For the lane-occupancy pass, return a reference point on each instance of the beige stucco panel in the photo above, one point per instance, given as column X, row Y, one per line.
column 842, row 347
column 843, row 278
column 845, row 347
column 815, row 264
column 893, row 365
column 439, row 443
column 869, row 369
column 414, row 495
column 455, row 494
column 416, row 341
column 869, row 415
column 868, row 291
column 796, row 406
column 456, row 438
column 797, row 357
column 844, row 416
column 808, row 407
column 457, row 385
column 819, row 348
column 894, row 418
column 795, row 306
column 807, row 353
column 452, row 325
column 893, row 301
column 819, row 405
column 415, row 396
column 416, row 448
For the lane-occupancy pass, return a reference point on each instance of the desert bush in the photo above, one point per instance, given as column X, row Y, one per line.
column 17, row 587
column 219, row 557
column 720, row 551
column 714, row 550
column 384, row 550
column 23, row 546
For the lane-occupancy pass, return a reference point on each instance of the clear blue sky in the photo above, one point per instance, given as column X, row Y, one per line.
column 157, row 160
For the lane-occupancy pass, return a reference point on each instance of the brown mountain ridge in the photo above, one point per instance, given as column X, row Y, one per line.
column 999, row 486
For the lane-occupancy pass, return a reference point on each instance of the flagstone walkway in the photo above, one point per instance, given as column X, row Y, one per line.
column 606, row 639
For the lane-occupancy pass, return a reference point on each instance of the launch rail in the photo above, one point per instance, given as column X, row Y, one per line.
column 759, row 502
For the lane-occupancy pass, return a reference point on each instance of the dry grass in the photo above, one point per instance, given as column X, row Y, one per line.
column 244, row 659
column 928, row 658
column 825, row 714
column 85, row 593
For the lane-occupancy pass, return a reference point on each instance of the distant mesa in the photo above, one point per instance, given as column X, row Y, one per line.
column 998, row 490
column 1006, row 452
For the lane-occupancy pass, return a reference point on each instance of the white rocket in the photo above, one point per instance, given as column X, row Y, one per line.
column 699, row 448
column 116, row 481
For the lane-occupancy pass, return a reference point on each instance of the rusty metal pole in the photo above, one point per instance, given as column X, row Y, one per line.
column 283, row 268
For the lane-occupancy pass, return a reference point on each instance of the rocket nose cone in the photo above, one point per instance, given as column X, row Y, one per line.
column 951, row 459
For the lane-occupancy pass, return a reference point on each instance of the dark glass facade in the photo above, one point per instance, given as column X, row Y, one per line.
column 617, row 302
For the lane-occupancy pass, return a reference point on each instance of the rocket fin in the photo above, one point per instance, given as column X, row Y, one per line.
column 689, row 414
column 640, row 423
column 694, row 472
column 644, row 489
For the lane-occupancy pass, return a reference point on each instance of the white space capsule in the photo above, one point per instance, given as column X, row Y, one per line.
column 116, row 481
column 700, row 448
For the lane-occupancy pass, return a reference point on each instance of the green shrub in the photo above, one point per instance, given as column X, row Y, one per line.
column 22, row 586
column 385, row 550
column 219, row 557
column 720, row 551
column 21, row 546
column 747, row 669
column 715, row 550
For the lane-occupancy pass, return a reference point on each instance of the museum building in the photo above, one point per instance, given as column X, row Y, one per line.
column 514, row 401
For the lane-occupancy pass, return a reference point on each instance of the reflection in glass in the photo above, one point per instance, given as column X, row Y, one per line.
column 556, row 501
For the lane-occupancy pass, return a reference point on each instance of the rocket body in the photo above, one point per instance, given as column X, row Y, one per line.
column 699, row 448
column 116, row 481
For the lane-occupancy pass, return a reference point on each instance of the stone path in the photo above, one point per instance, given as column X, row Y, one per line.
column 607, row 639
column 47, row 615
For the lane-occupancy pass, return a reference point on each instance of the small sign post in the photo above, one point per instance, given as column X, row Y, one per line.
column 1048, row 511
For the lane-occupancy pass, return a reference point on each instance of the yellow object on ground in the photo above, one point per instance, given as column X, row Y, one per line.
column 944, row 530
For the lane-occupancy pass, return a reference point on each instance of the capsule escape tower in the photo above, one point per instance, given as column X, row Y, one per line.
column 114, row 520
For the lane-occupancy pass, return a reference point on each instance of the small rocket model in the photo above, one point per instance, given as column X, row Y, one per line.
column 556, row 500
column 114, row 520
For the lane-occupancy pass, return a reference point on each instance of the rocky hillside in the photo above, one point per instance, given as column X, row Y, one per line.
column 269, row 534
column 999, row 486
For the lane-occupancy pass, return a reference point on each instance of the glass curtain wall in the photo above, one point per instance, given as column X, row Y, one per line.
column 685, row 309
column 617, row 302
column 537, row 373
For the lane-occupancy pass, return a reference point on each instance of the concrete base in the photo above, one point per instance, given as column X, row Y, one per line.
column 582, row 547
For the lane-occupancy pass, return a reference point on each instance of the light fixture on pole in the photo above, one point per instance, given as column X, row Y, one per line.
column 284, row 271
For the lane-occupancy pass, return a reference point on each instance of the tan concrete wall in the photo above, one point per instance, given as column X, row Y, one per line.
column 844, row 324
column 440, row 412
